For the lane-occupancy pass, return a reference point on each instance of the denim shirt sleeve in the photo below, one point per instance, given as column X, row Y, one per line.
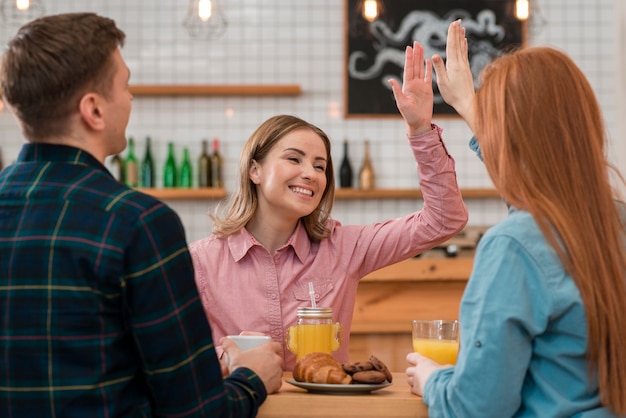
column 474, row 146
column 523, row 349
column 500, row 312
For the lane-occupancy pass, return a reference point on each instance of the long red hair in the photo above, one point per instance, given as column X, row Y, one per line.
column 542, row 136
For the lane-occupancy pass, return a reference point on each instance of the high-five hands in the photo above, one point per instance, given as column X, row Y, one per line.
column 415, row 98
column 454, row 79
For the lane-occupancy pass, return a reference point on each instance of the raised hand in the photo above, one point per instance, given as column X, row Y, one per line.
column 415, row 98
column 454, row 79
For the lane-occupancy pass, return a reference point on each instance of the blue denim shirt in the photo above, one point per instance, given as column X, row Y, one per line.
column 523, row 334
column 473, row 144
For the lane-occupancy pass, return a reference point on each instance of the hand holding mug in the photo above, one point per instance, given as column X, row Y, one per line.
column 265, row 360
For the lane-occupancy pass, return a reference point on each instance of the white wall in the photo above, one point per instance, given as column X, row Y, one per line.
column 619, row 145
column 297, row 42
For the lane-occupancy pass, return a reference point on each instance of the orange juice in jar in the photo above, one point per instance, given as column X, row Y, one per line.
column 314, row 332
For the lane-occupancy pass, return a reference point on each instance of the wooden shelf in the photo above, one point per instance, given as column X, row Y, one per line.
column 354, row 194
column 340, row 194
column 424, row 269
column 216, row 90
column 185, row 194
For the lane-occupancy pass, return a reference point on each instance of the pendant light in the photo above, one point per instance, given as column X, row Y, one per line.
column 205, row 19
column 522, row 9
column 18, row 12
column 370, row 9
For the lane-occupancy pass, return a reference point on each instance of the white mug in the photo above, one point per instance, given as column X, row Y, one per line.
column 246, row 342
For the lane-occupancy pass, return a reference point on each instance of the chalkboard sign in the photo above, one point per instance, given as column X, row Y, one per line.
column 375, row 51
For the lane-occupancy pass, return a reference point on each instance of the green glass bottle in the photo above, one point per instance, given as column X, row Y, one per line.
column 169, row 172
column 185, row 170
column 117, row 168
column 147, row 167
column 131, row 165
column 204, row 166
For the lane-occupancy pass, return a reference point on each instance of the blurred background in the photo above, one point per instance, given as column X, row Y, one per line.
column 293, row 42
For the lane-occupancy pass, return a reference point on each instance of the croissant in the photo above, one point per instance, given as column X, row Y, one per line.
column 320, row 368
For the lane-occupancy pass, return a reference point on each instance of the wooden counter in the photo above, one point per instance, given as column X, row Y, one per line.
column 216, row 90
column 390, row 298
column 393, row 401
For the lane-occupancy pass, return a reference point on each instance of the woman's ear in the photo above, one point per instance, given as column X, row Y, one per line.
column 254, row 172
column 91, row 111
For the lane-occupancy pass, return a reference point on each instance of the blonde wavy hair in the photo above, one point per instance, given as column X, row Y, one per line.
column 244, row 202
column 543, row 140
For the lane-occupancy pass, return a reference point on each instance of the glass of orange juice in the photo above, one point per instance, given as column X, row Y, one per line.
column 437, row 339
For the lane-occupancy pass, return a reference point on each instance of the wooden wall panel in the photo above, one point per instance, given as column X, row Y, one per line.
column 389, row 299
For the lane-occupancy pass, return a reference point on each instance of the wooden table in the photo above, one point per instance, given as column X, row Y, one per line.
column 393, row 401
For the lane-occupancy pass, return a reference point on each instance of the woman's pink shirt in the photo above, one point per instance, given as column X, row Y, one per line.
column 245, row 288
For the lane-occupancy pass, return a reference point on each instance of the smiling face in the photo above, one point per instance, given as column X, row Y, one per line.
column 291, row 179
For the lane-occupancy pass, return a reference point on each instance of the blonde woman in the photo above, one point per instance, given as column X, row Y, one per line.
column 277, row 235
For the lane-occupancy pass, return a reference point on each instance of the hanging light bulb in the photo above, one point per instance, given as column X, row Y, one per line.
column 370, row 10
column 205, row 19
column 522, row 9
column 19, row 12
column 22, row 5
column 204, row 10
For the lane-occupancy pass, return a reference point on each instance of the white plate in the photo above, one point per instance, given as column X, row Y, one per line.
column 353, row 388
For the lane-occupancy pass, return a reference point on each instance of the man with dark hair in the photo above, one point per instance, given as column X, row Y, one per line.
column 99, row 312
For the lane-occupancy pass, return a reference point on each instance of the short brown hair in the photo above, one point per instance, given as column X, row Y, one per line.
column 51, row 63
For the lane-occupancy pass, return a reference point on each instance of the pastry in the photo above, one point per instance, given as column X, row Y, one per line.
column 320, row 368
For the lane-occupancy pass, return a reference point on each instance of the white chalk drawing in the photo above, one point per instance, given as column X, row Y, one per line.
column 431, row 31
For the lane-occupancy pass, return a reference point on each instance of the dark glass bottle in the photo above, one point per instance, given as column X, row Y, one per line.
column 185, row 170
column 216, row 165
column 169, row 172
column 345, row 170
column 147, row 167
column 132, row 178
column 117, row 168
column 204, row 166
